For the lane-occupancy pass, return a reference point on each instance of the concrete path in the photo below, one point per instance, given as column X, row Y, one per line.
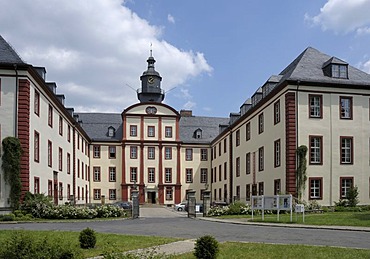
column 160, row 212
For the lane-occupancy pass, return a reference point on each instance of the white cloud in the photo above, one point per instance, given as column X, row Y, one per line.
column 342, row 16
column 189, row 105
column 363, row 31
column 92, row 49
column 366, row 67
column 170, row 18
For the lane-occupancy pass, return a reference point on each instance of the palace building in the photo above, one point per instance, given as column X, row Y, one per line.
column 317, row 101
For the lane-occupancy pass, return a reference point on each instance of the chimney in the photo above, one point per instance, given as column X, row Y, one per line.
column 186, row 113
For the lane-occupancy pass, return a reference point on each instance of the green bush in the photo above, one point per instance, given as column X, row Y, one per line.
column 8, row 217
column 22, row 246
column 37, row 205
column 87, row 238
column 206, row 247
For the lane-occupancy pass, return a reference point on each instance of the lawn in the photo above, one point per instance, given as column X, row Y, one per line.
column 105, row 242
column 254, row 250
column 358, row 219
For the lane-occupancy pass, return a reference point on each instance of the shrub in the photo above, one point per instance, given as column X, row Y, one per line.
column 206, row 247
column 8, row 217
column 238, row 208
column 37, row 205
column 20, row 245
column 352, row 196
column 87, row 238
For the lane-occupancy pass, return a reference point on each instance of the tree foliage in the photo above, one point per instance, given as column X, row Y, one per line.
column 11, row 165
column 301, row 170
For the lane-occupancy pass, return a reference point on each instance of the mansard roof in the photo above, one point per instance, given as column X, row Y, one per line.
column 209, row 126
column 308, row 67
column 96, row 125
column 7, row 54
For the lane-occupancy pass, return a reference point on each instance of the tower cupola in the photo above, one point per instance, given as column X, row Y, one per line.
column 150, row 90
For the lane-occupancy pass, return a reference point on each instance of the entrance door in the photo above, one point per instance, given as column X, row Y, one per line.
column 151, row 197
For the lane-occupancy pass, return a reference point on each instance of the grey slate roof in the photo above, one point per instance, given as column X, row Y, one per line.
column 8, row 54
column 208, row 125
column 308, row 67
column 96, row 125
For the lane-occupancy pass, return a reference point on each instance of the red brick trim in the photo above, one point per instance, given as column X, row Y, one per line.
column 291, row 142
column 24, row 132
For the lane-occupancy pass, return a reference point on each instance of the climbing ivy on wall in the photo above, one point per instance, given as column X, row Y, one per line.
column 301, row 170
column 11, row 165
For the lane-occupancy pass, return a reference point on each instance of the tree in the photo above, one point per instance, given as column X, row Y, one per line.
column 301, row 170
column 12, row 166
column 352, row 196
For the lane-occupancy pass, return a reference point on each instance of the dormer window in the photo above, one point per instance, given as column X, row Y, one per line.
column 336, row 68
column 198, row 134
column 111, row 131
column 339, row 71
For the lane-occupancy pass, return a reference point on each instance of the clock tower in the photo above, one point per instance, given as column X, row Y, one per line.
column 150, row 90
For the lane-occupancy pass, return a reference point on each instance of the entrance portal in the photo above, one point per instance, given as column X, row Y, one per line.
column 151, row 197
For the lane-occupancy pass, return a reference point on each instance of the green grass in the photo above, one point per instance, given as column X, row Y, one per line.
column 253, row 250
column 358, row 219
column 105, row 242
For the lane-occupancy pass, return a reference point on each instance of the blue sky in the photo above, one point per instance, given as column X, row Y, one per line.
column 212, row 54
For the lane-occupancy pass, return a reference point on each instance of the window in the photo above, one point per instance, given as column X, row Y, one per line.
column 219, row 194
column 260, row 123
column 225, row 145
column 68, row 191
column 339, row 71
column 50, row 116
column 50, row 188
column 345, row 107
column 248, row 163
column 237, row 167
column 346, row 151
column 97, row 194
column 219, row 148
column 248, row 192
column 189, row 154
column 168, row 132
column 277, row 186
column 36, row 185
column 248, row 131
column 237, row 138
column 82, row 145
column 36, row 104
column 82, row 193
column 315, row 188
column 60, row 159
column 225, row 171
column 277, row 112
column 238, row 192
column 151, row 152
column 68, row 163
column 112, row 152
column 151, row 131
column 50, row 154
column 112, row 194
column 133, row 152
column 78, row 168
column 260, row 188
column 111, row 132
column 151, row 175
column 225, row 192
column 315, row 106
column 36, row 148
column 315, row 150
column 96, row 151
column 168, row 175
column 133, row 174
column 203, row 175
column 60, row 125
column 277, row 153
column 260, row 159
column 96, row 170
column 78, row 141
column 197, row 134
column 204, row 154
column 169, row 193
column 189, row 175
column 60, row 191
column 112, row 174
column 346, row 183
column 69, row 134
column 82, row 170
column 167, row 153
column 133, row 130
column 219, row 173
column 78, row 193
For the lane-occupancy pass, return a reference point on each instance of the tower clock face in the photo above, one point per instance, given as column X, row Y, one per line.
column 151, row 80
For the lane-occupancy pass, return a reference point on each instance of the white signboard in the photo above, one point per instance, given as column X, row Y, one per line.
column 276, row 202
